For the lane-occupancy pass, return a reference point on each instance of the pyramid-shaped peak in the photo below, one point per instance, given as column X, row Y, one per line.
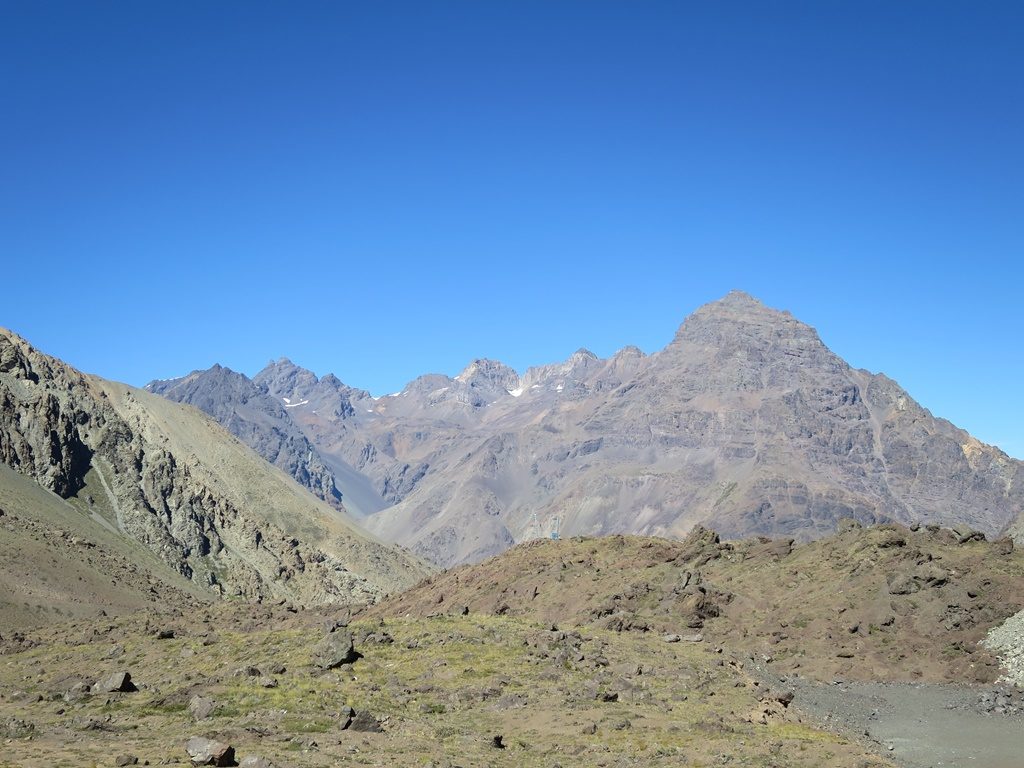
column 739, row 306
column 738, row 316
column 739, row 299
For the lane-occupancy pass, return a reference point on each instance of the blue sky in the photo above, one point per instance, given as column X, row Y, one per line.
column 385, row 189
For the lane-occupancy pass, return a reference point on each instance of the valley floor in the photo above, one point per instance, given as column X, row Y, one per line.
column 441, row 688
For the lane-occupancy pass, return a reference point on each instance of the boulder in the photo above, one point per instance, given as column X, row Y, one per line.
column 116, row 682
column 202, row 751
column 334, row 650
column 361, row 721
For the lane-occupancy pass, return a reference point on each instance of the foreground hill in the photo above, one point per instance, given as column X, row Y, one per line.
column 746, row 422
column 169, row 478
column 880, row 603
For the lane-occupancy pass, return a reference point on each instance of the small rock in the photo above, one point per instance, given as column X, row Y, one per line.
column 902, row 584
column 268, row 682
column 255, row 762
column 76, row 692
column 201, row 707
column 124, row 760
column 965, row 534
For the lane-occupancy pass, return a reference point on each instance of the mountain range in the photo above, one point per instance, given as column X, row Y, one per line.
column 745, row 422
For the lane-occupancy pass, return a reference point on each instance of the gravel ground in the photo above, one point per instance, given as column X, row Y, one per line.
column 1007, row 642
column 919, row 725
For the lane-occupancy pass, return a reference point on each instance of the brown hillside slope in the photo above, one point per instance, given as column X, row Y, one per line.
column 880, row 603
column 57, row 563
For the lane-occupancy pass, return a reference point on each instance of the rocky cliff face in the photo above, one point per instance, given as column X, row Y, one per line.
column 164, row 475
column 746, row 422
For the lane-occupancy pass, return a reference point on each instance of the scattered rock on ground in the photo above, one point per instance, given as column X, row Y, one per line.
column 255, row 762
column 116, row 682
column 204, row 751
column 201, row 707
column 334, row 650
column 361, row 721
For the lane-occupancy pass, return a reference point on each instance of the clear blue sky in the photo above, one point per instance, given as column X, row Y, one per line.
column 385, row 189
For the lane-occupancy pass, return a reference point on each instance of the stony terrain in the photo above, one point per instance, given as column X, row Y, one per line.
column 301, row 689
column 1007, row 642
column 875, row 604
column 746, row 423
column 166, row 477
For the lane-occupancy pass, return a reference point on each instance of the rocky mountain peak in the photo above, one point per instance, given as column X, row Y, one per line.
column 490, row 374
column 283, row 378
column 738, row 325
column 582, row 354
column 628, row 352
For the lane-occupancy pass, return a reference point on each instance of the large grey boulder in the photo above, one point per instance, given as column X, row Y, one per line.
column 115, row 682
column 203, row 751
column 335, row 649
